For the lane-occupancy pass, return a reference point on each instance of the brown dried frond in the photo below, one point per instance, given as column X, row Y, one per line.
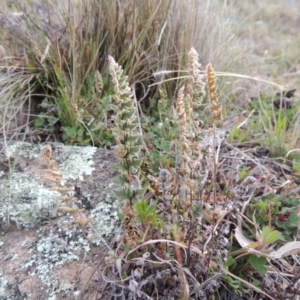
column 121, row 153
column 66, row 198
column 81, row 220
column 132, row 236
column 178, row 255
column 212, row 91
column 47, row 153
column 75, row 108
column 132, row 240
column 52, row 179
column 53, row 172
column 128, row 211
column 52, row 164
column 181, row 113
column 155, row 185
column 70, row 210
column 178, row 237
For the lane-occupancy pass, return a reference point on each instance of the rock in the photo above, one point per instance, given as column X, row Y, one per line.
column 44, row 253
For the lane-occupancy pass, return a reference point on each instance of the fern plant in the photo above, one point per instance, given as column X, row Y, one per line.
column 126, row 135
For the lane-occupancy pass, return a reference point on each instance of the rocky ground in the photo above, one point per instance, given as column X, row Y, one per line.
column 44, row 253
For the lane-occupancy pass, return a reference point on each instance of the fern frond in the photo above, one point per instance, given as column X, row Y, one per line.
column 98, row 83
column 216, row 107
column 180, row 108
column 126, row 134
column 197, row 79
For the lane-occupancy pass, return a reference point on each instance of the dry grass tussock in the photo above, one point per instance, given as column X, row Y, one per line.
column 51, row 51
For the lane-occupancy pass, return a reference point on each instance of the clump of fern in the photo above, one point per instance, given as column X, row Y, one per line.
column 171, row 210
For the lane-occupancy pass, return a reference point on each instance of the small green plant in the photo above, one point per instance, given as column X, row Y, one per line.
column 92, row 123
column 146, row 215
column 243, row 172
column 287, row 220
column 238, row 135
column 259, row 263
column 280, row 213
column 160, row 136
column 234, row 284
column 270, row 236
column 277, row 123
column 296, row 162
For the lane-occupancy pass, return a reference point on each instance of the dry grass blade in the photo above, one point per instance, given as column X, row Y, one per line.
column 286, row 250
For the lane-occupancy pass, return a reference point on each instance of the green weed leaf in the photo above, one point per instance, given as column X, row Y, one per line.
column 39, row 122
column 270, row 236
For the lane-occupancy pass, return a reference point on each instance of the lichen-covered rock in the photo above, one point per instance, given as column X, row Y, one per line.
column 44, row 253
column 25, row 197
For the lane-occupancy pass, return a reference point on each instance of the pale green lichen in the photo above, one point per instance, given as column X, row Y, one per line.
column 30, row 202
column 73, row 162
column 24, row 149
column 47, row 253
column 24, row 198
column 105, row 215
column 10, row 290
column 3, row 286
column 76, row 162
